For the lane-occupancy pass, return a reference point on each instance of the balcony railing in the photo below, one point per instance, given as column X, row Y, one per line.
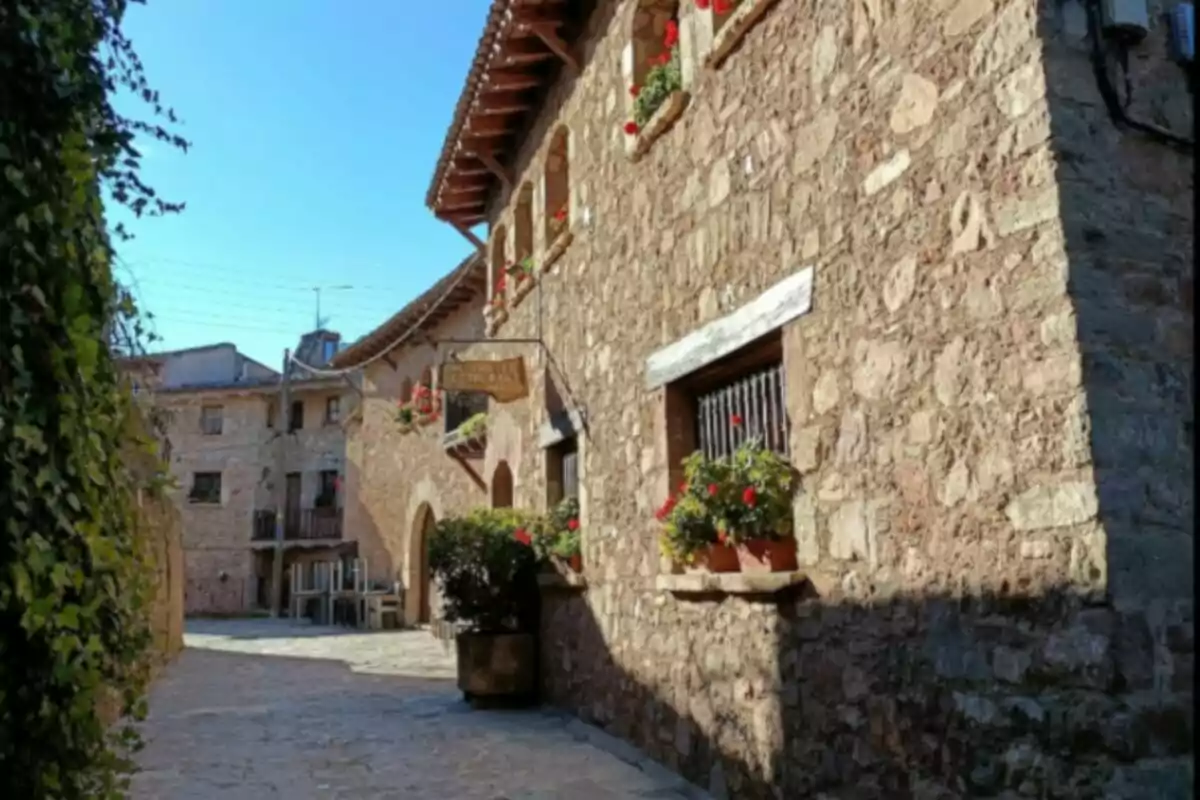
column 458, row 409
column 305, row 525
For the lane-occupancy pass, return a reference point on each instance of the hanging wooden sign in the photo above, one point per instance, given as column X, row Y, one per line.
column 504, row 380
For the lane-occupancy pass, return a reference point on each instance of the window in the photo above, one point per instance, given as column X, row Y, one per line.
column 499, row 262
column 272, row 412
column 523, row 224
column 333, row 410
column 742, row 398
column 296, row 419
column 211, row 420
column 562, row 471
column 328, row 349
column 558, row 186
column 406, row 389
column 327, row 491
column 206, row 487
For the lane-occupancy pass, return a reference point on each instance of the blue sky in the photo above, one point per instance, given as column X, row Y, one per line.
column 315, row 128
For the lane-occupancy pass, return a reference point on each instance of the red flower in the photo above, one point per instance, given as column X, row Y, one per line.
column 631, row 128
column 702, row 4
column 500, row 284
column 721, row 6
column 713, row 489
column 561, row 215
column 665, row 509
column 635, row 90
column 662, row 60
column 735, row 419
column 573, row 525
column 721, row 537
column 750, row 496
column 683, row 487
column 521, row 536
column 672, row 34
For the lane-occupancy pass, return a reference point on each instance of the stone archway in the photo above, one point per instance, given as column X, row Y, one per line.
column 420, row 584
column 502, row 486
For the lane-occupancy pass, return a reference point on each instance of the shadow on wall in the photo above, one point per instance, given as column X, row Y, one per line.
column 1075, row 687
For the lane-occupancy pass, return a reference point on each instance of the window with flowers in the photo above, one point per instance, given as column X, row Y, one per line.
column 558, row 185
column 520, row 270
column 657, row 69
column 727, row 22
column 722, row 10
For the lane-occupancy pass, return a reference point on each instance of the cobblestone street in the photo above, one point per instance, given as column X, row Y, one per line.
column 271, row 709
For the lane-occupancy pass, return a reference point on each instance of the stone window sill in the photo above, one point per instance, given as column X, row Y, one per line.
column 557, row 248
column 741, row 21
column 735, row 583
column 494, row 318
column 522, row 290
column 571, row 581
column 659, row 123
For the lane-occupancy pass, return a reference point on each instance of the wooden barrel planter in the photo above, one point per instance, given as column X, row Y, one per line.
column 497, row 666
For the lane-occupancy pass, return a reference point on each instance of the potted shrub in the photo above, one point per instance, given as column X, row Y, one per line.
column 556, row 538
column 753, row 506
column 690, row 535
column 487, row 577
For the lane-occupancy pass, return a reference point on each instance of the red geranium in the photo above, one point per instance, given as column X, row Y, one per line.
column 662, row 60
column 561, row 215
column 702, row 4
column 635, row 90
column 631, row 128
column 713, row 489
column 501, row 284
column 573, row 525
column 672, row 35
column 735, row 419
column 522, row 536
column 721, row 537
column 721, row 6
column 665, row 509
column 750, row 496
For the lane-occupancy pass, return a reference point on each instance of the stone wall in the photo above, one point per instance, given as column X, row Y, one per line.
column 394, row 479
column 216, row 537
column 990, row 402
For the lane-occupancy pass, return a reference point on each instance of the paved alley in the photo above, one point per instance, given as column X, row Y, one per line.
column 274, row 709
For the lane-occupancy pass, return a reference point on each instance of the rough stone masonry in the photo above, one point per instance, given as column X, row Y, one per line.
column 990, row 401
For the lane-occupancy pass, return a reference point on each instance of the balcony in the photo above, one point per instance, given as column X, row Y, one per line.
column 305, row 525
column 465, row 433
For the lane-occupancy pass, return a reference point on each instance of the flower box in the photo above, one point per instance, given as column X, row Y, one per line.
column 739, row 22
column 557, row 248
column 522, row 288
column 659, row 123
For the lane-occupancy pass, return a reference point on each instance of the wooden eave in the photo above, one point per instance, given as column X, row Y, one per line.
column 432, row 308
column 524, row 45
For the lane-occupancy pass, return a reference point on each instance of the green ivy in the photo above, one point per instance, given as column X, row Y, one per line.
column 74, row 578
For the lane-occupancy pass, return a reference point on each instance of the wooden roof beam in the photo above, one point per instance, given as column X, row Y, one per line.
column 497, row 102
column 522, row 51
column 548, row 33
column 480, row 126
column 514, row 80
column 497, row 169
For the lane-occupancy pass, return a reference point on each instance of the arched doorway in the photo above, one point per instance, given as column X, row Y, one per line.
column 420, row 583
column 502, row 486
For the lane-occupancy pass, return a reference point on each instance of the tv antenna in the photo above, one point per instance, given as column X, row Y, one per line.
column 318, row 320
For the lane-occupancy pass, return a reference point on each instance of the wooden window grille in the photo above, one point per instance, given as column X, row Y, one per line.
column 750, row 406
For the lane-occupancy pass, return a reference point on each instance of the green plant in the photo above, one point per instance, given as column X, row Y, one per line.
column 406, row 416
column 487, row 574
column 688, row 528
column 475, row 426
column 74, row 571
column 755, row 501
column 661, row 82
column 522, row 269
column 557, row 534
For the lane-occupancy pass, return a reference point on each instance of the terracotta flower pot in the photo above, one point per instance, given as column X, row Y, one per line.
column 575, row 563
column 715, row 558
column 767, row 555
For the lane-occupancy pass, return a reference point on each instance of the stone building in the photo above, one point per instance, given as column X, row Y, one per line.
column 400, row 482
column 224, row 441
column 926, row 233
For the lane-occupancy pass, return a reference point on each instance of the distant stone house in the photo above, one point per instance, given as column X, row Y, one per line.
column 911, row 244
column 226, row 442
